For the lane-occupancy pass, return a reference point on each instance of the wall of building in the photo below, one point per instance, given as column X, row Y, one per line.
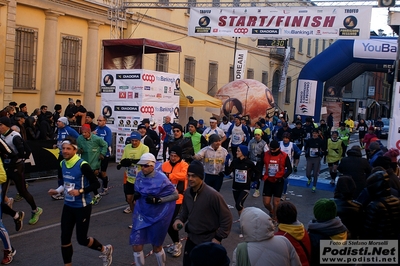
column 82, row 18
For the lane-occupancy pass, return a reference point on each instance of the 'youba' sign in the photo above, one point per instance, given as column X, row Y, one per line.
column 375, row 48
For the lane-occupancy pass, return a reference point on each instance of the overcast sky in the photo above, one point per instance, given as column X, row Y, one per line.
column 379, row 20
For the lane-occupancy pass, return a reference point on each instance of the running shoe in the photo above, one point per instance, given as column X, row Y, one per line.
column 256, row 193
column 127, row 210
column 35, row 216
column 18, row 197
column 313, row 189
column 104, row 192
column 96, row 199
column 294, row 169
column 170, row 250
column 106, row 255
column 308, row 182
column 19, row 222
column 130, row 226
column 177, row 250
column 8, row 256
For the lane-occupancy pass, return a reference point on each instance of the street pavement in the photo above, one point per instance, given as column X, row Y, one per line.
column 39, row 245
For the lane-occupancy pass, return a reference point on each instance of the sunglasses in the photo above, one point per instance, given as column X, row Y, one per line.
column 145, row 165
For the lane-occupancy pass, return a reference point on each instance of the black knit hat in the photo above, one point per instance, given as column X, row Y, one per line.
column 213, row 138
column 177, row 150
column 178, row 126
column 196, row 168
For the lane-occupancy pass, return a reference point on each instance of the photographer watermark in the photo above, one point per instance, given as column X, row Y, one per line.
column 359, row 251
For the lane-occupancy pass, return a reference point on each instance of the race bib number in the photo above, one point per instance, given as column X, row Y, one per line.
column 67, row 188
column 132, row 173
column 241, row 176
column 314, row 152
column 273, row 169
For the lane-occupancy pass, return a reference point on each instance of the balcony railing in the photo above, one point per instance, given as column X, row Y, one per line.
column 279, row 53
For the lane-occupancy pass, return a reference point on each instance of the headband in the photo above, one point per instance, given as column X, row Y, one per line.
column 69, row 142
column 213, row 120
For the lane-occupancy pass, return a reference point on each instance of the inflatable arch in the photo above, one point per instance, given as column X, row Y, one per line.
column 332, row 62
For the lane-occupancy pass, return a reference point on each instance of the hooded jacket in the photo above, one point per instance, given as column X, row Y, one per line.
column 383, row 212
column 331, row 229
column 359, row 173
column 298, row 236
column 263, row 248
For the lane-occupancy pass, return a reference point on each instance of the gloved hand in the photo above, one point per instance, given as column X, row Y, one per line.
column 126, row 162
column 119, row 167
column 153, row 200
column 221, row 174
column 101, row 156
column 136, row 195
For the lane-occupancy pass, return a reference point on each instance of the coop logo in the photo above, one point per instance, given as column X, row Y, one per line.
column 147, row 110
column 146, row 88
column 303, row 108
column 148, row 77
column 126, row 108
column 241, row 30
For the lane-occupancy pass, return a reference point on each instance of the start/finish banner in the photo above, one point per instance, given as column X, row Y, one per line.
column 350, row 22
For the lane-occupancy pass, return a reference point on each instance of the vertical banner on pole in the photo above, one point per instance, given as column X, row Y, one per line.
column 285, row 67
column 240, row 64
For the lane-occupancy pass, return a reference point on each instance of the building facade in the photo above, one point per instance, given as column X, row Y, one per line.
column 52, row 51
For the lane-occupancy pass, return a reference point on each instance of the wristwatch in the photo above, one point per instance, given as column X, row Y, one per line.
column 81, row 191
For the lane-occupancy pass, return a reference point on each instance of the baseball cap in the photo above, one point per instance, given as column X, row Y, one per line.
column 141, row 126
column 136, row 135
column 5, row 121
column 201, row 121
column 147, row 158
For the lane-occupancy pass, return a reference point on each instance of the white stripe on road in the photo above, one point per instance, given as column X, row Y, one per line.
column 58, row 224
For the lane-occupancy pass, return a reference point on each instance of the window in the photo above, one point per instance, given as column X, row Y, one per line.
column 190, row 64
column 236, row 3
column 164, row 2
column 323, row 45
column 25, row 59
column 253, row 3
column 308, row 47
column 288, row 89
column 290, row 44
column 70, row 63
column 264, row 78
column 250, row 73
column 275, row 85
column 316, row 47
column 212, row 79
column 231, row 74
column 162, row 62
column 300, row 45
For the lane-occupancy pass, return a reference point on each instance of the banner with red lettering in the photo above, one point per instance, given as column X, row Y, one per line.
column 314, row 22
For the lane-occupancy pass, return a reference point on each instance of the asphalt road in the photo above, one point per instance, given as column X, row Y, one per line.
column 39, row 245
